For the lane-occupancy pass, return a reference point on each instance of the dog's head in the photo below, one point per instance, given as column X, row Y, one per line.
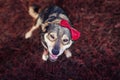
column 57, row 39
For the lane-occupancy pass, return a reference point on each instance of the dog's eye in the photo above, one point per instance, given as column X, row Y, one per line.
column 52, row 37
column 65, row 41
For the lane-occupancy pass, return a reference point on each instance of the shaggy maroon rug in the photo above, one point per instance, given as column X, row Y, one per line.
column 96, row 55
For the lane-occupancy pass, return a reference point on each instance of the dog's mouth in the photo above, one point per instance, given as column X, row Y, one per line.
column 53, row 58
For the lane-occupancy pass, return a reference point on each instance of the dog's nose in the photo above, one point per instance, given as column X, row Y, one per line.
column 55, row 51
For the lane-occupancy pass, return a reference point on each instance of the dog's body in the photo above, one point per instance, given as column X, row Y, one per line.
column 55, row 38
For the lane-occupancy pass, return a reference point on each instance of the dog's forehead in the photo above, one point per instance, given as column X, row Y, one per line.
column 59, row 29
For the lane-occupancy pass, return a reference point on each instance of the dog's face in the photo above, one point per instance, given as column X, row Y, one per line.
column 57, row 39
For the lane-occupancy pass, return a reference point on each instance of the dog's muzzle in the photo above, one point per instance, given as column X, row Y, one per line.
column 53, row 57
column 55, row 51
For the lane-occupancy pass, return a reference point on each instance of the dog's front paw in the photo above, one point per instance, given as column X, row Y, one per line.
column 68, row 54
column 45, row 57
column 28, row 35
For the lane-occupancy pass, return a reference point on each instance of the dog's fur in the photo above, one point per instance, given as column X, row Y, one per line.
column 55, row 38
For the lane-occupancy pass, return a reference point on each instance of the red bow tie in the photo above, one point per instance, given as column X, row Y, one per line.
column 74, row 32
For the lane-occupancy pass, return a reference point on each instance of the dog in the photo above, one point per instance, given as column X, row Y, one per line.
column 57, row 35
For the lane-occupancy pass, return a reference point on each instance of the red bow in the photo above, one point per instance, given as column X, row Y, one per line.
column 74, row 32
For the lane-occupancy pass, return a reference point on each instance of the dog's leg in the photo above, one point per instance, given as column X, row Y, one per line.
column 32, row 12
column 45, row 55
column 35, row 15
column 68, row 53
column 29, row 33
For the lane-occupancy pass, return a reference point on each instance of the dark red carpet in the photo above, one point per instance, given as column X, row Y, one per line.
column 96, row 55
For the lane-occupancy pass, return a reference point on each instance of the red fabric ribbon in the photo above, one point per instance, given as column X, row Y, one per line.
column 75, row 34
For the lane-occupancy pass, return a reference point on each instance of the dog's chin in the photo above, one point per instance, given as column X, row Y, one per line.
column 52, row 57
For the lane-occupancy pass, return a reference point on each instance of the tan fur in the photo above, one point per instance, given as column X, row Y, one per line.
column 36, row 26
column 33, row 13
column 45, row 55
column 63, row 17
column 68, row 53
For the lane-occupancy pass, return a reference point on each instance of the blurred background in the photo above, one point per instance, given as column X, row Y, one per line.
column 96, row 55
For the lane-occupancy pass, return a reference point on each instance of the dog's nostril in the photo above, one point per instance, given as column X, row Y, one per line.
column 55, row 51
